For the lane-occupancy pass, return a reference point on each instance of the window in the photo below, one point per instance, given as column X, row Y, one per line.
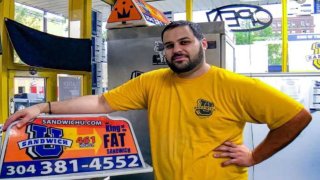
column 40, row 20
column 29, row 16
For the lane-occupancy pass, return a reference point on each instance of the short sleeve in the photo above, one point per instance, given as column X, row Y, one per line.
column 127, row 96
column 265, row 104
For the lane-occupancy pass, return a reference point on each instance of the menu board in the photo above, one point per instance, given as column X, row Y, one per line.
column 71, row 146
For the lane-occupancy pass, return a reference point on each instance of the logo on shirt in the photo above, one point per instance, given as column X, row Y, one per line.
column 204, row 108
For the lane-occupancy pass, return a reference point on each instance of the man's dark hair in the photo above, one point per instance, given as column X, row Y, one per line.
column 193, row 26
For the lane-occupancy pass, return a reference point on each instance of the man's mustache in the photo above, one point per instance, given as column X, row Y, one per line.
column 178, row 55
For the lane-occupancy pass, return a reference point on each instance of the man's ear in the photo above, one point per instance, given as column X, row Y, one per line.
column 204, row 43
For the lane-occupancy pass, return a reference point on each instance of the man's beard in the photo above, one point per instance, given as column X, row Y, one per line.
column 191, row 64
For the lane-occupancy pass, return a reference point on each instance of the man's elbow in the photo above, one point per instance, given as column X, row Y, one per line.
column 298, row 122
column 304, row 117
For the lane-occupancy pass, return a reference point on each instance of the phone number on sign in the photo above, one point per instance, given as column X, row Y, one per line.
column 65, row 166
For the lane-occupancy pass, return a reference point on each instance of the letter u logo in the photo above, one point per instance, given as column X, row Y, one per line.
column 46, row 150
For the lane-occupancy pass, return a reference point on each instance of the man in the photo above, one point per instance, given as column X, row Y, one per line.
column 196, row 112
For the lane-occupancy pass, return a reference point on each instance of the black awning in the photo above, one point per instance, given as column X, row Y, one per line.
column 39, row 49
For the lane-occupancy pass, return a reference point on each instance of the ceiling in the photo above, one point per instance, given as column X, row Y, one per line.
column 60, row 7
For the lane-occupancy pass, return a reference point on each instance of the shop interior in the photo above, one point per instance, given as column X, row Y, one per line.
column 280, row 45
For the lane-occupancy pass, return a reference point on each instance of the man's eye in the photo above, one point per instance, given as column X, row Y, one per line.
column 184, row 42
column 168, row 46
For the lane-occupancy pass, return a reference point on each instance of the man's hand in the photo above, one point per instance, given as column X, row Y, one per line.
column 23, row 116
column 239, row 155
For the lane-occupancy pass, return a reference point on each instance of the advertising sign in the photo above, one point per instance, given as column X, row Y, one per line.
column 304, row 53
column 129, row 13
column 72, row 146
column 241, row 17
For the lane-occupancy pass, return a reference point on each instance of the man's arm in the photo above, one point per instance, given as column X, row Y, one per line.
column 276, row 140
column 92, row 104
column 280, row 137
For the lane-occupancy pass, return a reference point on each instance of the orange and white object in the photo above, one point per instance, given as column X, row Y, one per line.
column 129, row 13
column 71, row 147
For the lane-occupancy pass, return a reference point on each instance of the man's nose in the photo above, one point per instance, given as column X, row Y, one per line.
column 177, row 48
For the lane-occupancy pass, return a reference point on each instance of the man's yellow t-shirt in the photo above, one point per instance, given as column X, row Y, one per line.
column 188, row 118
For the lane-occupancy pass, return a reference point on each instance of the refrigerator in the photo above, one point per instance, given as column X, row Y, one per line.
column 132, row 51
